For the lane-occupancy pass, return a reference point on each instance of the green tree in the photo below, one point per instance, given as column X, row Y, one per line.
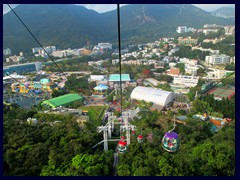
column 181, row 66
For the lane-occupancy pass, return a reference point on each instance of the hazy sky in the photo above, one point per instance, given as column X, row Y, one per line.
column 108, row 7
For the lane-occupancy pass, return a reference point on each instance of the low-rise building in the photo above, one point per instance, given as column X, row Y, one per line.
column 105, row 46
column 211, row 26
column 153, row 81
column 208, row 31
column 23, row 68
column 15, row 59
column 217, row 73
column 187, row 41
column 97, row 78
column 212, row 51
column 187, row 81
column 229, row 30
column 191, row 62
column 62, row 100
column 173, row 71
column 114, row 79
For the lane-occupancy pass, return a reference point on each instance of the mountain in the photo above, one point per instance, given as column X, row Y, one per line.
column 61, row 25
column 226, row 12
column 70, row 26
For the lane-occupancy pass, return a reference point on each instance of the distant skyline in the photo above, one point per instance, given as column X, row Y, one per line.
column 101, row 8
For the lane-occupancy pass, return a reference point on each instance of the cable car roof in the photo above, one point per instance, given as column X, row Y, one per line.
column 122, row 143
column 171, row 135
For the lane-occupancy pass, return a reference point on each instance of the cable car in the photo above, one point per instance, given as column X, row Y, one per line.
column 170, row 141
column 140, row 138
column 122, row 145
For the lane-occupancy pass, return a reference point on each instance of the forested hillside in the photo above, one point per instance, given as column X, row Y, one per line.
column 65, row 149
column 70, row 26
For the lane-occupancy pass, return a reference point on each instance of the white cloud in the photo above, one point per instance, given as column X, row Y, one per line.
column 5, row 9
column 96, row 7
column 101, row 8
column 213, row 7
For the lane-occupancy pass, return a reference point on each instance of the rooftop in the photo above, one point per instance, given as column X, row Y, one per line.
column 62, row 100
column 116, row 77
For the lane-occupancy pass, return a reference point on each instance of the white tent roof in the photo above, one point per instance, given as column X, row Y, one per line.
column 156, row 96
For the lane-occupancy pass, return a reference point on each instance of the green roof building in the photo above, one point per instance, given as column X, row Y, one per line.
column 114, row 80
column 62, row 100
column 116, row 77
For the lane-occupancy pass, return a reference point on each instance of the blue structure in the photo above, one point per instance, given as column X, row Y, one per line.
column 101, row 89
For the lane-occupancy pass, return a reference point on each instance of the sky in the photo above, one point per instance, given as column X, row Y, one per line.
column 108, row 7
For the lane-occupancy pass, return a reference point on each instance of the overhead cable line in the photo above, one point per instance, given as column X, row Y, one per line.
column 119, row 53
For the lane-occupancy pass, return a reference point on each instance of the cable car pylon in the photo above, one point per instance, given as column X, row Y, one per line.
column 107, row 130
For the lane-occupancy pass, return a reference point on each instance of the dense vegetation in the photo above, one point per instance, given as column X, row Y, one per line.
column 64, row 149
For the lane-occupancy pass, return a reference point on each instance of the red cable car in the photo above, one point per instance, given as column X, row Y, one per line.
column 122, row 145
column 140, row 138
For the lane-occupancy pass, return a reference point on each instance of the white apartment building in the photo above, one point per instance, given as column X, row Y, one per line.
column 172, row 64
column 211, row 26
column 212, row 51
column 48, row 49
column 105, row 45
column 96, row 63
column 232, row 60
column 172, row 51
column 187, row 61
column 67, row 52
column 217, row 59
column 190, row 69
column 208, row 31
column 187, row 81
column 59, row 54
column 98, row 77
column 15, row 59
column 217, row 73
column 229, row 30
column 7, row 51
column 115, row 61
column 36, row 49
column 183, row 29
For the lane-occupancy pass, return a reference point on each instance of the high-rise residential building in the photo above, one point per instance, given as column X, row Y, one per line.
column 184, row 29
column 217, row 59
